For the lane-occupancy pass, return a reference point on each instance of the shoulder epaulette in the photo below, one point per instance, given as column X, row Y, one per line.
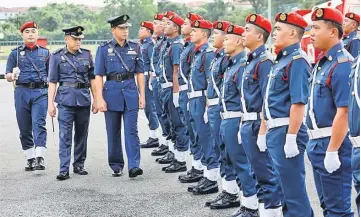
column 298, row 56
column 18, row 47
column 179, row 41
column 83, row 49
column 343, row 56
column 58, row 51
column 43, row 47
column 266, row 56
column 105, row 43
column 209, row 49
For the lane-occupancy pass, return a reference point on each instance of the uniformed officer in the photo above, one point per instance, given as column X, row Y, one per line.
column 170, row 139
column 155, row 86
column 253, row 91
column 201, row 60
column 27, row 66
column 231, row 116
column 329, row 148
column 354, row 126
column 72, row 67
column 351, row 40
column 228, row 198
column 284, row 105
column 170, row 92
column 196, row 172
column 120, row 61
column 145, row 35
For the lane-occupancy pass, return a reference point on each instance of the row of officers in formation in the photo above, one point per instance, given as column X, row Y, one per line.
column 240, row 114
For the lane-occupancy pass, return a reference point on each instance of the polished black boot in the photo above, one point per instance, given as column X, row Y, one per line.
column 39, row 163
column 150, row 143
column 30, row 165
column 166, row 159
column 176, row 167
column 160, row 151
column 245, row 212
column 80, row 171
column 192, row 176
column 226, row 201
column 207, row 187
column 63, row 176
column 190, row 188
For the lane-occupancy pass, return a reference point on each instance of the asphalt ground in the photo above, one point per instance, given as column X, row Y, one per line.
column 154, row 194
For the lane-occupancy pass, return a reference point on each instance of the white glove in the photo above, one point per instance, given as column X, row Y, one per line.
column 205, row 115
column 332, row 161
column 176, row 99
column 239, row 136
column 261, row 143
column 291, row 148
column 15, row 74
column 150, row 86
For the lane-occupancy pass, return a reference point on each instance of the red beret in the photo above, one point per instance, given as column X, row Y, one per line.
column 327, row 14
column 221, row 25
column 29, row 24
column 147, row 24
column 260, row 21
column 193, row 16
column 176, row 19
column 235, row 30
column 292, row 19
column 158, row 16
column 353, row 16
column 202, row 24
column 168, row 14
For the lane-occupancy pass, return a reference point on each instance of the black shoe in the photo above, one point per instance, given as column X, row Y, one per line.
column 226, row 201
column 63, row 176
column 39, row 163
column 192, row 176
column 160, row 151
column 30, row 165
column 207, row 187
column 117, row 173
column 245, row 212
column 135, row 172
column 190, row 188
column 219, row 197
column 176, row 167
column 166, row 159
column 150, row 143
column 80, row 171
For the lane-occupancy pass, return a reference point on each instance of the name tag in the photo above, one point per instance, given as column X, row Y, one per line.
column 131, row 52
column 111, row 54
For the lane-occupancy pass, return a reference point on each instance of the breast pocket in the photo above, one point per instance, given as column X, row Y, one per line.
column 65, row 69
column 84, row 66
column 322, row 89
column 130, row 61
column 279, row 83
column 249, row 83
column 40, row 63
column 111, row 62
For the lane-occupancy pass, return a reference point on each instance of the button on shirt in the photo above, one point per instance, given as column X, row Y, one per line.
column 330, row 91
column 230, row 93
column 202, row 58
column 19, row 57
column 215, row 76
column 255, row 79
column 60, row 70
column 288, row 82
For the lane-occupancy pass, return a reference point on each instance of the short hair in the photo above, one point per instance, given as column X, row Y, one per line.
column 338, row 26
column 207, row 31
column 179, row 28
column 264, row 33
column 300, row 32
column 151, row 31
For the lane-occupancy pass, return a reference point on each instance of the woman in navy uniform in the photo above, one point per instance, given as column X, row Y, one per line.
column 72, row 67
column 120, row 60
column 351, row 40
column 27, row 66
column 329, row 148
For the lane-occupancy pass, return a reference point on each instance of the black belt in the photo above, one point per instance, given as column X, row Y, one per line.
column 33, row 85
column 75, row 85
column 120, row 77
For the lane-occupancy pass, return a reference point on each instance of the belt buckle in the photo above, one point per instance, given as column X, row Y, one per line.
column 31, row 85
column 119, row 78
column 77, row 85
